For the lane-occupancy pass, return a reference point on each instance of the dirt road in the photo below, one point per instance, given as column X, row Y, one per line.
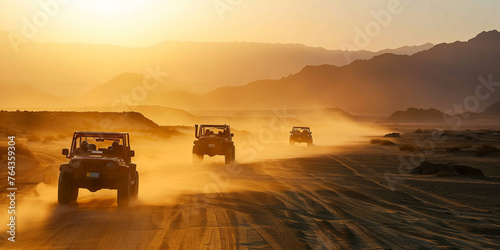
column 329, row 201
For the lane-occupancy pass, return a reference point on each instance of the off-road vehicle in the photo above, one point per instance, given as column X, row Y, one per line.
column 301, row 134
column 99, row 161
column 213, row 140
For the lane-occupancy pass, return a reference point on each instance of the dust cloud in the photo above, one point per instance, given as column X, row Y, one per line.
column 166, row 170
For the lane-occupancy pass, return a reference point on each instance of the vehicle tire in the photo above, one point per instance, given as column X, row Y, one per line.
column 123, row 194
column 73, row 194
column 233, row 156
column 64, row 189
column 310, row 143
column 197, row 156
column 229, row 155
column 134, row 192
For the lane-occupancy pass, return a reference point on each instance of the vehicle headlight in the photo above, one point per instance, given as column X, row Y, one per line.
column 111, row 165
column 75, row 164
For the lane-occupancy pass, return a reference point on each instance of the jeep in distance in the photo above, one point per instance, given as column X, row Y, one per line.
column 301, row 135
column 213, row 140
column 99, row 161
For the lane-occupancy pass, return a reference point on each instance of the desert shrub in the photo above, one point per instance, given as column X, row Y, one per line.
column 407, row 147
column 419, row 131
column 376, row 141
column 33, row 138
column 486, row 149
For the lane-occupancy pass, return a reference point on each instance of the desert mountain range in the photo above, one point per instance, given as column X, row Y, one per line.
column 436, row 78
column 196, row 67
column 439, row 77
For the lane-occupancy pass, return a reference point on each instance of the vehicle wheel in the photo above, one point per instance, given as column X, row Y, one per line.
column 123, row 194
column 134, row 192
column 233, row 154
column 309, row 143
column 197, row 156
column 64, row 193
column 74, row 194
column 229, row 155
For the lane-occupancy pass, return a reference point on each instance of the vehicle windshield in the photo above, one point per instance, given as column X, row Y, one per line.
column 93, row 145
column 214, row 131
column 300, row 130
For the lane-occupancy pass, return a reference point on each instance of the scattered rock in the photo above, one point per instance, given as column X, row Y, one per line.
column 446, row 170
column 393, row 135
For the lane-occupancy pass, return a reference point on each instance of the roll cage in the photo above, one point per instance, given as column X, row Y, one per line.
column 300, row 129
column 122, row 138
column 202, row 130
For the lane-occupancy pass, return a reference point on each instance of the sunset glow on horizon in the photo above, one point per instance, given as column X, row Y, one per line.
column 326, row 24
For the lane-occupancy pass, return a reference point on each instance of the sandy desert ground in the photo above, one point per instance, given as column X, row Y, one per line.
column 324, row 197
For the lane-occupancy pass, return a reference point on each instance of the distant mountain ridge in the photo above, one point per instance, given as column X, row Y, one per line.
column 436, row 78
column 492, row 111
column 26, row 97
column 196, row 67
column 439, row 77
column 416, row 115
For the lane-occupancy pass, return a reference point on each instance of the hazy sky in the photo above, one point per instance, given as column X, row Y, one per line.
column 322, row 23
